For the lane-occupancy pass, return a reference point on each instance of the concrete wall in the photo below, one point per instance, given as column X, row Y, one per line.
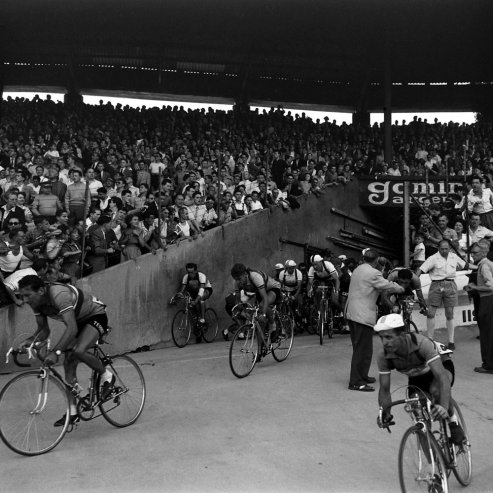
column 137, row 292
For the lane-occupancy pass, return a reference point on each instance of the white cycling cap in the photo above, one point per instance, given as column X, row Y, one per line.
column 316, row 258
column 279, row 266
column 290, row 263
column 389, row 322
column 342, row 257
column 364, row 251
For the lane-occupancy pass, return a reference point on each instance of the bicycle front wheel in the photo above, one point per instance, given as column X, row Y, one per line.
column 209, row 332
column 421, row 464
column 285, row 335
column 29, row 406
column 243, row 351
column 322, row 321
column 462, row 453
column 181, row 328
column 126, row 401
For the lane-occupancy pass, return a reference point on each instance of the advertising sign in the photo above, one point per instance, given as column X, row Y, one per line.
column 389, row 192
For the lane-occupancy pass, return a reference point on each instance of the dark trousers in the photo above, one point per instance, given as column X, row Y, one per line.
column 485, row 323
column 362, row 340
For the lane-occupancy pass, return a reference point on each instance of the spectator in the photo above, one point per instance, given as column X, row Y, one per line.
column 185, row 228
column 366, row 285
column 484, row 288
column 102, row 241
column 71, row 253
column 11, row 211
column 46, row 203
column 75, row 198
column 133, row 238
column 480, row 200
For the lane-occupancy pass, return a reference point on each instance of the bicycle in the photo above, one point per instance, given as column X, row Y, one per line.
column 405, row 307
column 33, row 400
column 286, row 310
column 187, row 319
column 250, row 344
column 426, row 453
column 323, row 315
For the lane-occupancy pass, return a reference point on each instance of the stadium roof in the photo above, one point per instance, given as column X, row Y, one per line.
column 315, row 52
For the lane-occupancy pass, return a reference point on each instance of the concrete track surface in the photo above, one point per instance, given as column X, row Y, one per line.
column 291, row 426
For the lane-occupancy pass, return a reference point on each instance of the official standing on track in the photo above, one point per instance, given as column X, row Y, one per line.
column 367, row 282
column 442, row 267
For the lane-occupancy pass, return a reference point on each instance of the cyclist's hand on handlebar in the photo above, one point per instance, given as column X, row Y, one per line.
column 50, row 359
column 385, row 421
column 438, row 411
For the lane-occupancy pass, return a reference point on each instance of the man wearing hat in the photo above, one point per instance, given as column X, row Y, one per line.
column 367, row 282
column 46, row 203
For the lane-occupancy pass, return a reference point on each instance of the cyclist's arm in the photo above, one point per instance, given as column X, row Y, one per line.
column 43, row 331
column 184, row 283
column 384, row 398
column 335, row 277
column 265, row 299
column 421, row 298
column 441, row 376
column 70, row 332
column 298, row 289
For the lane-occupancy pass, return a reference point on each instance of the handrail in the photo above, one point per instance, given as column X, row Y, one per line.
column 354, row 246
column 357, row 237
column 346, row 215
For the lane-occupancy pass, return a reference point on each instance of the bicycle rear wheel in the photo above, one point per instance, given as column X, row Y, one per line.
column 463, row 459
column 126, row 401
column 243, row 351
column 181, row 328
column 421, row 463
column 209, row 332
column 29, row 407
column 285, row 335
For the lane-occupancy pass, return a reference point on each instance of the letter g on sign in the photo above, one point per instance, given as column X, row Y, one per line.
column 379, row 192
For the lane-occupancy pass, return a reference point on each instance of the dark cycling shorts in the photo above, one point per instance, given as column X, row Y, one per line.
column 194, row 294
column 424, row 381
column 276, row 291
column 99, row 322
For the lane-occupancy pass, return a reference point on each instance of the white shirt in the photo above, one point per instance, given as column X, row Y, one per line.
column 480, row 204
column 441, row 268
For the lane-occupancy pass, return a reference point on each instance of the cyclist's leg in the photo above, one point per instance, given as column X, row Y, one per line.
column 205, row 297
column 273, row 298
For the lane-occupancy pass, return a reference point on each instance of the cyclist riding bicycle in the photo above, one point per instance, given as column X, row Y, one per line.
column 411, row 284
column 322, row 273
column 290, row 279
column 257, row 284
column 85, row 322
column 427, row 363
column 199, row 288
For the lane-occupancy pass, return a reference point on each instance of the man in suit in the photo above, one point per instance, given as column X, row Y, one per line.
column 102, row 241
column 367, row 282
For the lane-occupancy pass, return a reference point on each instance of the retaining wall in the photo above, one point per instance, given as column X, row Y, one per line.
column 137, row 292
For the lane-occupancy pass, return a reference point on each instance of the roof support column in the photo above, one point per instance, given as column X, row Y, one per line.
column 73, row 95
column 387, row 108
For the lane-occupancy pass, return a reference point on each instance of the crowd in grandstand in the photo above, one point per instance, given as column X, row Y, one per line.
column 86, row 187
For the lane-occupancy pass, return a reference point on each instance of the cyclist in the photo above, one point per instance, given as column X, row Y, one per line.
column 411, row 284
column 199, row 288
column 85, row 322
column 278, row 268
column 428, row 365
column 257, row 284
column 290, row 279
column 322, row 273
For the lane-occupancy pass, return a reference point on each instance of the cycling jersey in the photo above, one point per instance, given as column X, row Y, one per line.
column 65, row 297
column 194, row 284
column 325, row 274
column 289, row 282
column 419, row 352
column 256, row 280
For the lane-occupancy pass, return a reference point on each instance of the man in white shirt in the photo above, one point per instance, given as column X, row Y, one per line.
column 442, row 267
column 476, row 230
column 94, row 184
